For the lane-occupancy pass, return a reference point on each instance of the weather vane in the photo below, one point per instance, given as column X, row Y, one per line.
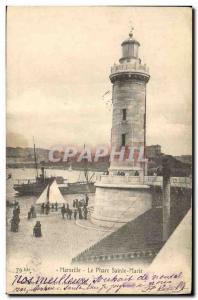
column 132, row 28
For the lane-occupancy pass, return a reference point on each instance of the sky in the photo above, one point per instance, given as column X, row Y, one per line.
column 58, row 67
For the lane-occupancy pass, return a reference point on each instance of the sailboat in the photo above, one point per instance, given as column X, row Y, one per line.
column 41, row 181
column 51, row 195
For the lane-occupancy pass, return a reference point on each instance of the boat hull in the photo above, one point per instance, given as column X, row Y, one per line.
column 71, row 188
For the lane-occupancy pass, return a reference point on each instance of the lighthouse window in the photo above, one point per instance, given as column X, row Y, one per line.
column 124, row 114
column 123, row 139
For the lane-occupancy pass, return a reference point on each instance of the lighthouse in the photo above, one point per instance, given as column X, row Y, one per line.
column 122, row 195
column 129, row 79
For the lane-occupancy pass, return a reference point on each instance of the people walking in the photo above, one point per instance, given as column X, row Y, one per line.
column 15, row 219
column 80, row 213
column 63, row 211
column 29, row 215
column 16, row 211
column 33, row 211
column 47, row 208
column 77, row 203
column 42, row 208
column 85, row 211
column 67, row 210
column 86, row 200
column 70, row 213
column 75, row 214
column 16, row 203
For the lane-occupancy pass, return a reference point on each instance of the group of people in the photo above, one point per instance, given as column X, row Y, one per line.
column 15, row 219
column 79, row 203
column 66, row 211
column 37, row 226
column 121, row 173
column 78, row 212
column 45, row 208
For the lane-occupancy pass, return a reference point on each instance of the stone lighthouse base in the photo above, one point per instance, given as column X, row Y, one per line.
column 118, row 203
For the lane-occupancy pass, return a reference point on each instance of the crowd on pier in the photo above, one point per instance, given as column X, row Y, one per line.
column 79, row 210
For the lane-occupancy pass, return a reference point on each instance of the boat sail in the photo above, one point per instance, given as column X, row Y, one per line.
column 51, row 194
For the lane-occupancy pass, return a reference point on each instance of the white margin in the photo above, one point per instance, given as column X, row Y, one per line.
column 3, row 4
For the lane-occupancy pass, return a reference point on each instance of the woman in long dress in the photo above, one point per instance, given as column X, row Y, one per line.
column 37, row 229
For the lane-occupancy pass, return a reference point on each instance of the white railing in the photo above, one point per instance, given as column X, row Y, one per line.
column 129, row 67
column 114, row 179
column 184, row 180
column 149, row 180
column 153, row 179
column 24, row 181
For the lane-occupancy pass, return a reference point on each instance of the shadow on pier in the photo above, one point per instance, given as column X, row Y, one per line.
column 141, row 239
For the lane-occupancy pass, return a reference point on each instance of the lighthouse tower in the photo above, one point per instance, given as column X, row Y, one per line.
column 129, row 79
column 120, row 199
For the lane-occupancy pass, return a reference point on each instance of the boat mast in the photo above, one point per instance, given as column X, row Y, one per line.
column 91, row 176
column 48, row 192
column 85, row 169
column 35, row 159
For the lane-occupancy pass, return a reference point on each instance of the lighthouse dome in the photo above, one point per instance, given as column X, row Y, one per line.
column 130, row 40
column 129, row 49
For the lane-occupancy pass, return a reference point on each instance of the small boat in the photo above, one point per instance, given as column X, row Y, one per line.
column 51, row 195
column 36, row 186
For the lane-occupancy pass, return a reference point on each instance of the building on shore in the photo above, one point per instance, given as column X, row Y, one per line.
column 153, row 151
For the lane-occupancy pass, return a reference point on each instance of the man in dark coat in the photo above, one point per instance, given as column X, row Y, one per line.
column 16, row 211
column 42, row 208
column 77, row 203
column 47, row 208
column 33, row 211
column 75, row 214
column 29, row 215
column 86, row 200
column 80, row 213
column 85, row 212
column 70, row 213
column 63, row 211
